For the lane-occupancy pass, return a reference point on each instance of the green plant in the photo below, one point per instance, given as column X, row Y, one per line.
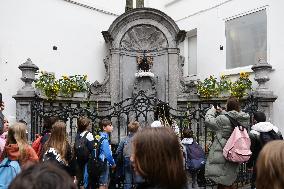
column 239, row 88
column 48, row 84
column 67, row 85
column 224, row 84
column 71, row 84
column 208, row 88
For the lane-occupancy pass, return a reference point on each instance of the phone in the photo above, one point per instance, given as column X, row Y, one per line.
column 0, row 97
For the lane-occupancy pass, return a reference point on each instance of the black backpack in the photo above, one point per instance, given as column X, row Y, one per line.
column 81, row 150
column 266, row 137
column 95, row 166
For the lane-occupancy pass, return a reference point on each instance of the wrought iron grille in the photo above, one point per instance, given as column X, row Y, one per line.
column 141, row 108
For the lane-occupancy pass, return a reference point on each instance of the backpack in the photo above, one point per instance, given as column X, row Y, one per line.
column 95, row 166
column 37, row 146
column 8, row 171
column 266, row 137
column 194, row 157
column 81, row 150
column 237, row 148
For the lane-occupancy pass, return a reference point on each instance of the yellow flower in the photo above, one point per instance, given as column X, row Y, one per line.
column 98, row 137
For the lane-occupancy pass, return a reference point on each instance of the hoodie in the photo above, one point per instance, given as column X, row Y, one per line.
column 256, row 145
column 12, row 152
column 263, row 127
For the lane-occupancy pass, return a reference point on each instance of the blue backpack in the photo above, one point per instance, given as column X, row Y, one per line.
column 8, row 171
column 195, row 157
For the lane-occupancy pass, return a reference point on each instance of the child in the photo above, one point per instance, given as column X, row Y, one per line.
column 157, row 157
column 17, row 147
column 105, row 153
column 124, row 150
column 57, row 148
column 192, row 153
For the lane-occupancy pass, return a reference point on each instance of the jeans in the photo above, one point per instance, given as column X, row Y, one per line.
column 128, row 174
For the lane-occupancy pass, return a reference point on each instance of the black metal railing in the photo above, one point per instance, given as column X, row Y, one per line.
column 140, row 108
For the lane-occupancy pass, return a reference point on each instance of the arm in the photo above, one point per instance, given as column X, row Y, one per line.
column 107, row 152
column 210, row 119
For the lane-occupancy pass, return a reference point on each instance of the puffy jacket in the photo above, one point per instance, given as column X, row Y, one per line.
column 217, row 168
column 256, row 146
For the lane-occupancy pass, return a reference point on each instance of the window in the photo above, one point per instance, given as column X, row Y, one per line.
column 190, row 53
column 246, row 39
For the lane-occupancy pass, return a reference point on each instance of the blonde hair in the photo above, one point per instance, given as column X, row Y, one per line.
column 58, row 138
column 270, row 165
column 17, row 135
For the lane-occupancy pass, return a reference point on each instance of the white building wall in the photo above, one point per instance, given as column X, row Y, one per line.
column 31, row 28
column 209, row 19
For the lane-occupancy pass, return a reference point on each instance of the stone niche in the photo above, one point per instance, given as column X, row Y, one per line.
column 143, row 55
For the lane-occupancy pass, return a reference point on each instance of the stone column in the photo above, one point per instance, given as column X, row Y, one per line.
column 265, row 96
column 173, row 76
column 25, row 96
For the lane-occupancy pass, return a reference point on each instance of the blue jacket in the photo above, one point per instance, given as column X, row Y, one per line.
column 105, row 150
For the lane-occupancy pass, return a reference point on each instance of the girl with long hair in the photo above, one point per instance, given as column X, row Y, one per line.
column 157, row 157
column 57, row 148
column 17, row 147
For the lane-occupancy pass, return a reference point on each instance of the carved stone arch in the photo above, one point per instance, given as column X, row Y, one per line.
column 142, row 37
column 142, row 16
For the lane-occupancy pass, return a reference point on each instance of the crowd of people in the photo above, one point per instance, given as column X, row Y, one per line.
column 152, row 157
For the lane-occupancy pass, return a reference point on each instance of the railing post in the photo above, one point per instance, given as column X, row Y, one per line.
column 265, row 96
column 26, row 95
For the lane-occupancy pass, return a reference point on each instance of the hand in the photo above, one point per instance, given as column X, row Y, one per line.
column 2, row 107
column 113, row 167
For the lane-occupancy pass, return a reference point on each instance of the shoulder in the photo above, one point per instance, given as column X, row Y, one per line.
column 90, row 136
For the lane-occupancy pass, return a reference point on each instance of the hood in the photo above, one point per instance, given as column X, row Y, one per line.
column 187, row 141
column 240, row 116
column 12, row 151
column 263, row 127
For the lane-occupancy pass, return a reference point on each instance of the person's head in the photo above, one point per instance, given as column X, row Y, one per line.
column 6, row 125
column 43, row 175
column 58, row 138
column 17, row 135
column 106, row 126
column 157, row 157
column 83, row 124
column 233, row 104
column 270, row 165
column 187, row 133
column 48, row 122
column 259, row 117
column 133, row 126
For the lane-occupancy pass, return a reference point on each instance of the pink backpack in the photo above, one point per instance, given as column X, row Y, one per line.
column 237, row 148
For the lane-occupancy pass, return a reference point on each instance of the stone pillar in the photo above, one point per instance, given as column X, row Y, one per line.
column 173, row 76
column 265, row 96
column 25, row 96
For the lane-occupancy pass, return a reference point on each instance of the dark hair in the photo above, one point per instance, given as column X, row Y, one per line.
column 43, row 175
column 83, row 123
column 104, row 123
column 187, row 133
column 233, row 104
column 133, row 126
column 162, row 145
column 48, row 122
column 269, row 166
column 259, row 116
column 22, row 121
